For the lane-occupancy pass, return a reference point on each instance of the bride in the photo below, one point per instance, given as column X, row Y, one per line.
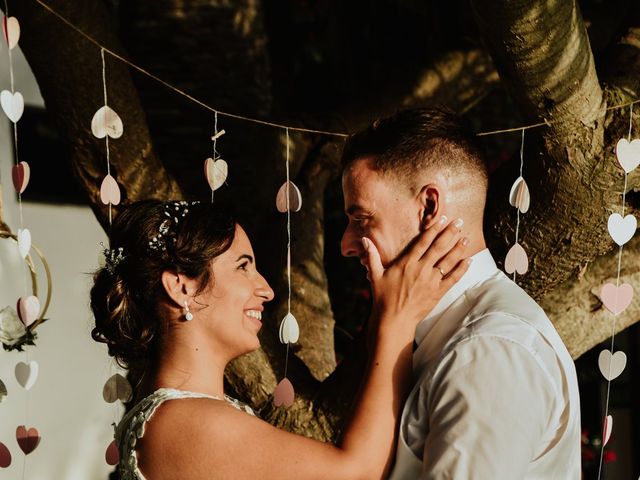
column 180, row 297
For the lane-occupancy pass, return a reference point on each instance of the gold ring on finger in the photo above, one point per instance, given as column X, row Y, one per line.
column 440, row 270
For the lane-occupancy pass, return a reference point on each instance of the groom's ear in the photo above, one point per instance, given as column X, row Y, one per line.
column 430, row 200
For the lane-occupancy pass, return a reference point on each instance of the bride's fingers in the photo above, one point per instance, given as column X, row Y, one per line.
column 374, row 264
column 424, row 240
column 452, row 257
column 455, row 274
column 442, row 244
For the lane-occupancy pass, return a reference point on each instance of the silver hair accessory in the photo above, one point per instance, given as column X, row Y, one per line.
column 174, row 211
column 112, row 258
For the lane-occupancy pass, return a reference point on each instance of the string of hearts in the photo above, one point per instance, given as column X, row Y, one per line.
column 28, row 306
column 616, row 298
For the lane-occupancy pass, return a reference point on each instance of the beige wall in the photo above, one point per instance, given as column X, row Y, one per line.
column 66, row 402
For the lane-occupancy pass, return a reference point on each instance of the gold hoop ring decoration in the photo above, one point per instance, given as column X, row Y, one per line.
column 34, row 281
column 440, row 270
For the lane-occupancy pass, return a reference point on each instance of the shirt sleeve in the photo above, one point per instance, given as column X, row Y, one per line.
column 489, row 405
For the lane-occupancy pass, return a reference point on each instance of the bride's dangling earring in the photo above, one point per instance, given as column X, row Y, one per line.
column 188, row 316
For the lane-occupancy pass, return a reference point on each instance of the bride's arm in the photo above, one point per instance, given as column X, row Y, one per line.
column 223, row 443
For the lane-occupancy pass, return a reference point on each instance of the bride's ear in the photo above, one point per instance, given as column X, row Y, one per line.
column 178, row 287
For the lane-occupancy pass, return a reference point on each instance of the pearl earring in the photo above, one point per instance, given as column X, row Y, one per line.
column 188, row 316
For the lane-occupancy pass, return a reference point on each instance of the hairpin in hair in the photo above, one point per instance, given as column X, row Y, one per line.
column 113, row 258
column 174, row 211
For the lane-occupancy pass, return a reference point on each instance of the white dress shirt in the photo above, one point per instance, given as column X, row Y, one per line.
column 495, row 394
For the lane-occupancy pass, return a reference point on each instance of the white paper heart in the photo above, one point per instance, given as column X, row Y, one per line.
column 606, row 430
column 611, row 366
column 117, row 387
column 216, row 172
column 288, row 197
column 24, row 242
column 106, row 122
column 11, row 30
column 519, row 195
column 516, row 260
column 289, row 330
column 283, row 394
column 28, row 309
column 628, row 154
column 27, row 374
column 622, row 229
column 109, row 191
column 12, row 105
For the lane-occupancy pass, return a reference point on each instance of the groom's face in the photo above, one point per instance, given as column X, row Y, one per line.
column 378, row 208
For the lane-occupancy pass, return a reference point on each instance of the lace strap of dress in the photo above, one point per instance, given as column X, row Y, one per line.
column 131, row 427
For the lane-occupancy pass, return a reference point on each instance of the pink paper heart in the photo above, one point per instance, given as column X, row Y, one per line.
column 28, row 309
column 616, row 299
column 606, row 430
column 519, row 195
column 20, row 175
column 112, row 455
column 516, row 260
column 288, row 198
column 28, row 440
column 283, row 394
column 5, row 456
column 110, row 191
column 106, row 122
column 11, row 31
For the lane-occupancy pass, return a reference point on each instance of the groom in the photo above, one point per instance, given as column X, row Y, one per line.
column 495, row 394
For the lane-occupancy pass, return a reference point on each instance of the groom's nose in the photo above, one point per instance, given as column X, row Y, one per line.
column 351, row 244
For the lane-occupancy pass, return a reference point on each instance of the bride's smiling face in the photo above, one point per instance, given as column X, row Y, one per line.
column 233, row 304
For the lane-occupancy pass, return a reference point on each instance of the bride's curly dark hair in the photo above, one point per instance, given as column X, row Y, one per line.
column 125, row 297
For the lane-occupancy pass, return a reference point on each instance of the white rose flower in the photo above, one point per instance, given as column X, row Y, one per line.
column 11, row 328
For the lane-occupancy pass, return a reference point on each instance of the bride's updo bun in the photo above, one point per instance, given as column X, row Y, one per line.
column 148, row 238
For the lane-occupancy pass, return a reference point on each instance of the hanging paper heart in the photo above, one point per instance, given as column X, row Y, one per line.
column 117, row 387
column 106, row 122
column 215, row 172
column 628, row 154
column 5, row 456
column 519, row 196
column 112, row 455
column 289, row 330
column 611, row 366
column 24, row 242
column 27, row 374
column 28, row 440
column 28, row 309
column 109, row 191
column 283, row 394
column 606, row 431
column 516, row 260
column 616, row 299
column 20, row 175
column 3, row 391
column 12, row 105
column 622, row 229
column 288, row 197
column 11, row 31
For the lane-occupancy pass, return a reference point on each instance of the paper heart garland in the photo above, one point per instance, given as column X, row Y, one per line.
column 216, row 172
column 109, row 191
column 27, row 374
column 5, row 456
column 606, row 430
column 621, row 229
column 288, row 198
column 12, row 105
column 611, row 366
column 519, row 195
column 3, row 391
column 106, row 122
column 24, row 242
column 28, row 440
column 112, row 455
column 283, row 394
column 117, row 387
column 289, row 329
column 28, row 309
column 616, row 299
column 628, row 154
column 11, row 31
column 20, row 175
column 516, row 260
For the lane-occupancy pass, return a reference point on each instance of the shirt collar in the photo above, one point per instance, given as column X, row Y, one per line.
column 482, row 267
